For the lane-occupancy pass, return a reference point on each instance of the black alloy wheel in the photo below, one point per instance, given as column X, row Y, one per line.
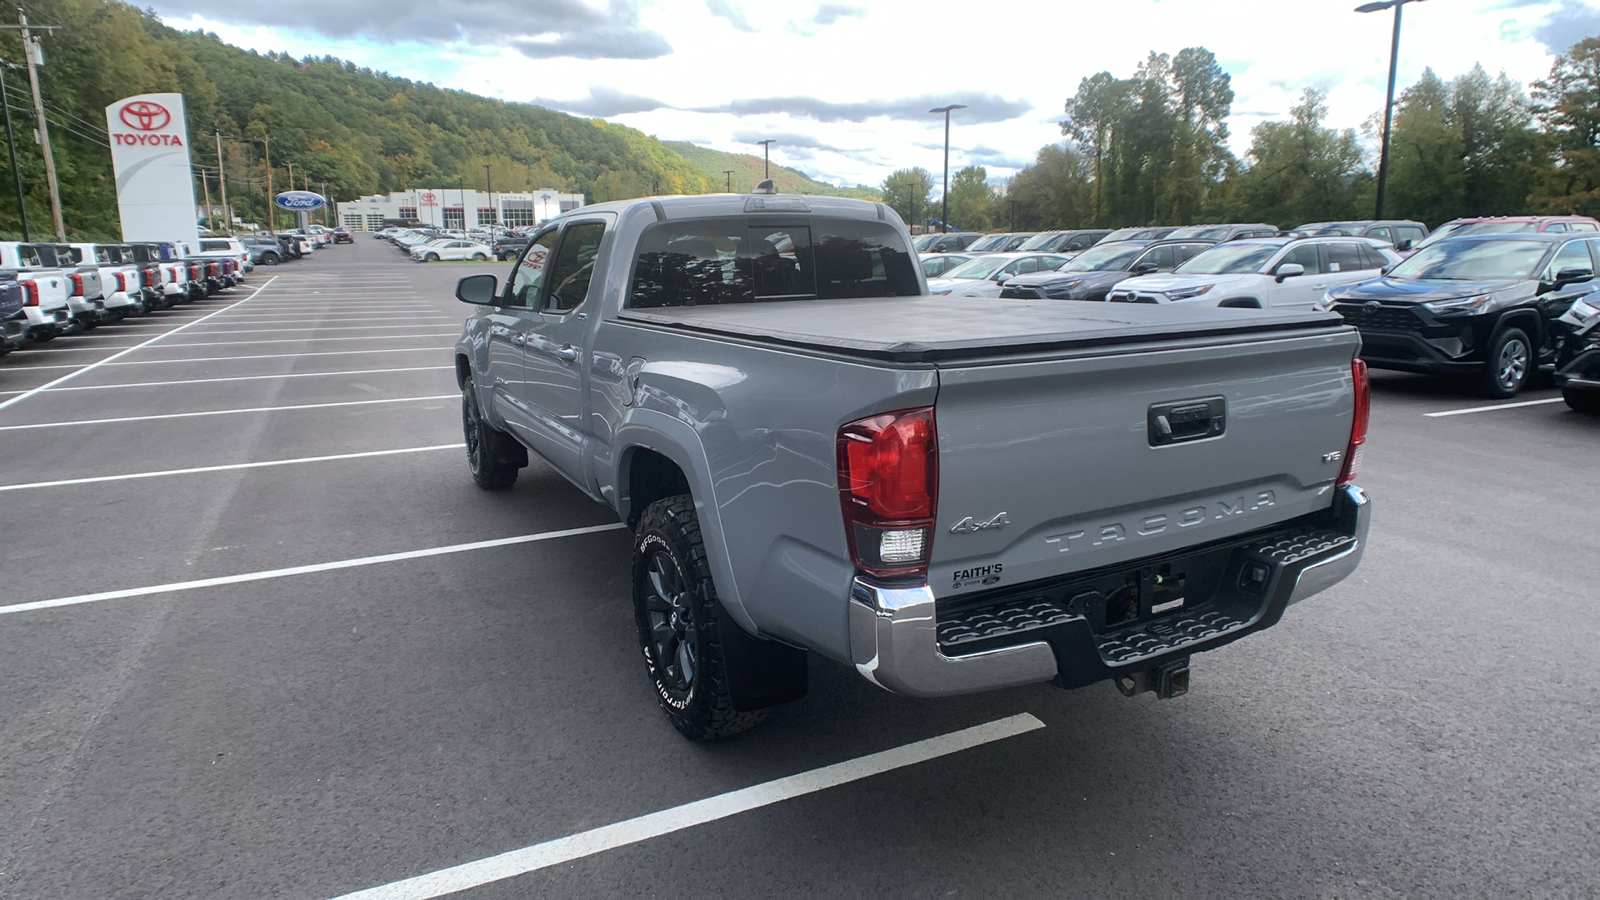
column 1581, row 400
column 491, row 460
column 680, row 622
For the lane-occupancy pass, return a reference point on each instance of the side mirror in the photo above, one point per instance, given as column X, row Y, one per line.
column 480, row 290
column 1402, row 246
column 1572, row 276
column 1289, row 270
column 1001, row 278
column 1145, row 268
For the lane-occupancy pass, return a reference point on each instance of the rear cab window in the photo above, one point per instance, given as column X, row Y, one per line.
column 707, row 262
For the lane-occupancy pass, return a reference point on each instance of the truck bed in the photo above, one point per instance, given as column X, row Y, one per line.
column 940, row 329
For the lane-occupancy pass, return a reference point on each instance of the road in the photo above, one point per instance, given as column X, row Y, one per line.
column 261, row 637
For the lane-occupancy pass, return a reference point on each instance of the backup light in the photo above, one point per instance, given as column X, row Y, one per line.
column 902, row 545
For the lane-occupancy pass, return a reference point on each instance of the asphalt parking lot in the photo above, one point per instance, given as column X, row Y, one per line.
column 260, row 636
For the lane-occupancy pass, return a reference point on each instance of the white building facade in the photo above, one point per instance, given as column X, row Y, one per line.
column 455, row 208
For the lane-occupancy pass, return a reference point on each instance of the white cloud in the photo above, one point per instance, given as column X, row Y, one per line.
column 774, row 80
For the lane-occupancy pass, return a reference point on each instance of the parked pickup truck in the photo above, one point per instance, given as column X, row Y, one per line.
column 85, row 284
column 52, row 308
column 13, row 322
column 948, row 496
column 174, row 286
column 120, row 282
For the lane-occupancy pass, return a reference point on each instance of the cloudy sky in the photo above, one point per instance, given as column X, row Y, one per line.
column 844, row 87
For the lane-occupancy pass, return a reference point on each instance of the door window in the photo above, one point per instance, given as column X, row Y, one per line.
column 1165, row 259
column 1581, row 226
column 573, row 268
column 1306, row 255
column 1572, row 255
column 1410, row 233
column 529, row 274
column 1381, row 233
column 1556, row 226
column 1345, row 257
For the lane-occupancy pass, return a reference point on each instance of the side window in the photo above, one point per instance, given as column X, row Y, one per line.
column 1381, row 233
column 529, row 275
column 1572, row 255
column 1556, row 226
column 1163, row 258
column 573, row 268
column 1581, row 226
column 1306, row 255
column 1346, row 257
column 1410, row 233
column 1187, row 252
column 1023, row 266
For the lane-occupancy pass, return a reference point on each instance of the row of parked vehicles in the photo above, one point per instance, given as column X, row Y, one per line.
column 1493, row 299
column 48, row 290
column 440, row 244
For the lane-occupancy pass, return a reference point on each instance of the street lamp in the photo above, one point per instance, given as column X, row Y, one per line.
column 729, row 174
column 494, row 217
column 766, row 158
column 944, row 215
column 1388, row 106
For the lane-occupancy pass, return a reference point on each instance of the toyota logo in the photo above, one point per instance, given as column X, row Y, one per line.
column 1371, row 306
column 145, row 115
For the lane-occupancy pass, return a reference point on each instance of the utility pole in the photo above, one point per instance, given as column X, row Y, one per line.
column 11, row 144
column 35, row 56
column 488, row 180
column 272, row 219
column 729, row 173
column 326, row 206
column 205, row 187
column 222, row 186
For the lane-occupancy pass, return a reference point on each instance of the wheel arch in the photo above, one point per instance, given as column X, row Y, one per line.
column 1528, row 320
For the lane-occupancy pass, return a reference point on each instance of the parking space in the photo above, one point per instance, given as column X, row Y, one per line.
column 260, row 636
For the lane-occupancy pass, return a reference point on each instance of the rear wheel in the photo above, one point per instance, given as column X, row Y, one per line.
column 1582, row 401
column 1510, row 359
column 269, row 259
column 489, row 454
column 680, row 620
column 481, row 257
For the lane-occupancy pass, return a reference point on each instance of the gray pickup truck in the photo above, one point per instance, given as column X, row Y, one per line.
column 948, row 494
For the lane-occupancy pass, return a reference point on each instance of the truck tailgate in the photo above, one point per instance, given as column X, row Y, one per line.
column 1095, row 457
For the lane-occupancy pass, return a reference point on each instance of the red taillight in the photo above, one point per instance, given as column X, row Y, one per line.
column 888, row 487
column 31, row 291
column 77, row 285
column 122, row 282
column 1358, row 425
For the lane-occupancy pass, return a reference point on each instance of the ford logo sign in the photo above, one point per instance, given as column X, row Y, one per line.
column 299, row 201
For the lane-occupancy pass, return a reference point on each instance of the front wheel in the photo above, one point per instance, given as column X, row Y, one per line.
column 480, row 257
column 1582, row 401
column 680, row 620
column 490, row 456
column 431, row 257
column 1510, row 359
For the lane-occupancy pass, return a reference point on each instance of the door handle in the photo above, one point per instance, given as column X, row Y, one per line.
column 567, row 353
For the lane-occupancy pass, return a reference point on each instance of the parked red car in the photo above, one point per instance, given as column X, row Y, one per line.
column 342, row 235
column 1507, row 225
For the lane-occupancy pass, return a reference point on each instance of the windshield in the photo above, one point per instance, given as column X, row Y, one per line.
column 1049, row 240
column 1106, row 257
column 1122, row 234
column 1229, row 259
column 1481, row 260
column 925, row 241
column 1462, row 228
column 982, row 267
column 989, row 242
column 1208, row 232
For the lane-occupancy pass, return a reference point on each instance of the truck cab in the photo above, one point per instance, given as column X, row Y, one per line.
column 47, row 292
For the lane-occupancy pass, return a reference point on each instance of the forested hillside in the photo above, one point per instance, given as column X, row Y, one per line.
column 747, row 171
column 357, row 130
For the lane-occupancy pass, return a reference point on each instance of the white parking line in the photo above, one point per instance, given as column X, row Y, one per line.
column 99, row 479
column 319, row 330
column 92, row 366
column 223, row 412
column 1478, row 409
column 160, row 362
column 184, row 381
column 239, row 320
column 633, row 831
column 377, row 337
column 176, row 586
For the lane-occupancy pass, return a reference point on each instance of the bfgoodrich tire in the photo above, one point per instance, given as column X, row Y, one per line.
column 1507, row 364
column 679, row 620
column 493, row 456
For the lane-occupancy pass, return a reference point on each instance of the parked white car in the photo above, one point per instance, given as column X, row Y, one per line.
column 984, row 276
column 449, row 249
column 1262, row 273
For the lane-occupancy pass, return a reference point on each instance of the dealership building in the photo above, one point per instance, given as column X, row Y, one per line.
column 455, row 208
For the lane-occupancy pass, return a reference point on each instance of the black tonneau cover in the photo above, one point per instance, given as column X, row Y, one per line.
column 930, row 329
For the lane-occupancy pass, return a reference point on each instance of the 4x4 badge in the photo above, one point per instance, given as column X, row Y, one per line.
column 970, row 525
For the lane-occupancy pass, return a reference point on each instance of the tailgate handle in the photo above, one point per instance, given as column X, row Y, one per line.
column 1187, row 420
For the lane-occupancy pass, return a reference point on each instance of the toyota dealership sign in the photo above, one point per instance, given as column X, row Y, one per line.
column 150, row 155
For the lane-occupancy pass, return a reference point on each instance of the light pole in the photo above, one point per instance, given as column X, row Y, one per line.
column 766, row 158
column 11, row 144
column 1388, row 105
column 488, row 182
column 729, row 173
column 944, row 214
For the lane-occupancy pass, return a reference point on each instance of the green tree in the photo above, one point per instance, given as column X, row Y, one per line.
column 971, row 199
column 1567, row 104
column 1302, row 171
column 909, row 192
column 1056, row 191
